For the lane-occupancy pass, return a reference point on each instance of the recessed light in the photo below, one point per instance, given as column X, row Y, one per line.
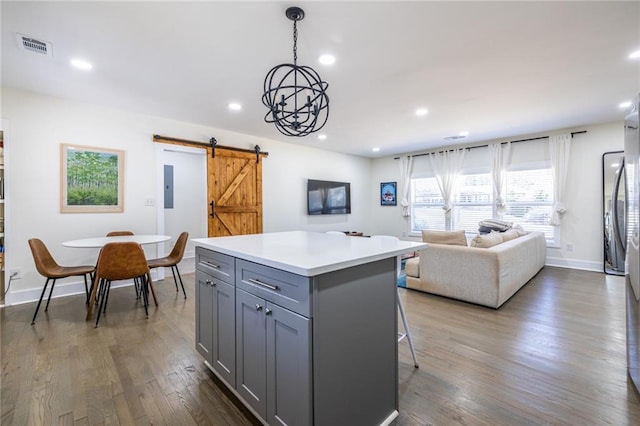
column 327, row 59
column 376, row 149
column 422, row 111
column 623, row 105
column 234, row 106
column 81, row 64
column 635, row 55
column 322, row 137
column 464, row 134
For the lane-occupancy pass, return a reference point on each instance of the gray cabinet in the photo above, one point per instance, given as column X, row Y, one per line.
column 298, row 350
column 273, row 343
column 215, row 314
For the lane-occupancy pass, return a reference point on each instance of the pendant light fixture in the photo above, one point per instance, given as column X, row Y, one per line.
column 295, row 95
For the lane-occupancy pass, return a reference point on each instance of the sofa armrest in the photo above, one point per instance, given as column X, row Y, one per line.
column 454, row 271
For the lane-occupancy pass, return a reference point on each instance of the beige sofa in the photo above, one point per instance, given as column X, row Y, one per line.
column 485, row 276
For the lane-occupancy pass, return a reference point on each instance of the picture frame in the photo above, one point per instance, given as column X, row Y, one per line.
column 91, row 179
column 388, row 194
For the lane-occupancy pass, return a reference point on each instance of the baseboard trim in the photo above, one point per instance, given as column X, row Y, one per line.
column 19, row 297
column 584, row 265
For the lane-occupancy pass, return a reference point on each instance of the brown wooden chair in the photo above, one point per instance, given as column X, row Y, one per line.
column 49, row 268
column 172, row 260
column 118, row 233
column 117, row 262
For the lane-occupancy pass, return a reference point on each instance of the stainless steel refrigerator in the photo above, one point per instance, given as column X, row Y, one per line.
column 632, row 258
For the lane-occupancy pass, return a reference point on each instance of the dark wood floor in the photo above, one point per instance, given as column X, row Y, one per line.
column 553, row 354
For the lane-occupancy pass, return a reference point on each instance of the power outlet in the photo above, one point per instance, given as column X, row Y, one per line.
column 15, row 273
column 150, row 202
column 568, row 247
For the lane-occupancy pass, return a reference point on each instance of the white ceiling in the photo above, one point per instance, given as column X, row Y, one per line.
column 494, row 69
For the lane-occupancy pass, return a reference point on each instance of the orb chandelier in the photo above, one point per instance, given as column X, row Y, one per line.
column 295, row 95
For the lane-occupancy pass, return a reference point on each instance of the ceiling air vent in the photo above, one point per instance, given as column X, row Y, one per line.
column 31, row 44
column 454, row 137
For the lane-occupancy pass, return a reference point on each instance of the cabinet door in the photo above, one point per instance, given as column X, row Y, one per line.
column 204, row 315
column 223, row 353
column 288, row 367
column 251, row 335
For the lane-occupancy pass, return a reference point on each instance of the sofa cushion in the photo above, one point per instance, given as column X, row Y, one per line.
column 412, row 267
column 509, row 235
column 487, row 240
column 454, row 238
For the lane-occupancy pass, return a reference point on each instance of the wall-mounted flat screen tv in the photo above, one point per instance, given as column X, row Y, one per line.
column 326, row 197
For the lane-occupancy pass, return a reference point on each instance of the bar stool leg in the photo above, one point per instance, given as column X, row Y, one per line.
column 407, row 332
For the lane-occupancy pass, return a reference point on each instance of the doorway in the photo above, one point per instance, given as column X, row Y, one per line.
column 188, row 182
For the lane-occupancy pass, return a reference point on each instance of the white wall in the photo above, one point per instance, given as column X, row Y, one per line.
column 582, row 224
column 39, row 124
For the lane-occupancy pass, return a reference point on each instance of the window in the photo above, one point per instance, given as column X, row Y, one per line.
column 474, row 201
column 529, row 197
column 530, row 200
column 426, row 205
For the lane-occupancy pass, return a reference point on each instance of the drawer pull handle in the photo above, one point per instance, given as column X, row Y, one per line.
column 260, row 283
column 211, row 283
column 258, row 307
column 213, row 265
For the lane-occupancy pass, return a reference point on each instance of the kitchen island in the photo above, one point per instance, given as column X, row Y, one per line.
column 302, row 326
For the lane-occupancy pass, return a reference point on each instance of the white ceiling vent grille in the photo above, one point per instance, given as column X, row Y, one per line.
column 455, row 137
column 31, row 44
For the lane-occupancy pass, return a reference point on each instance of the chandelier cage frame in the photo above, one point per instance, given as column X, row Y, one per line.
column 295, row 95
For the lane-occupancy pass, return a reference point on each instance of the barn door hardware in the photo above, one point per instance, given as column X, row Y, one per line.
column 213, row 142
column 213, row 209
column 257, row 150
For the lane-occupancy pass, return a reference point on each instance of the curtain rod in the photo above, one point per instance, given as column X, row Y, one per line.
column 485, row 145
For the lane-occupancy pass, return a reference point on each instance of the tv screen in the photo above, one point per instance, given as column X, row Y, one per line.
column 326, row 197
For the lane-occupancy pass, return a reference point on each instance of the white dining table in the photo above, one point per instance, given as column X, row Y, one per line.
column 98, row 242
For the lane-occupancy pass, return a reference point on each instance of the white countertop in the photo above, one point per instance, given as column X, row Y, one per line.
column 308, row 253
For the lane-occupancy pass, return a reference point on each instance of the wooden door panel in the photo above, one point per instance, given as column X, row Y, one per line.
column 235, row 187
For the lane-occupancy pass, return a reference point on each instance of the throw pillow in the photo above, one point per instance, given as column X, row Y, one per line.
column 486, row 240
column 509, row 235
column 453, row 238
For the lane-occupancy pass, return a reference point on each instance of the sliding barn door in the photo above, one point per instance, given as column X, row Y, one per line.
column 234, row 186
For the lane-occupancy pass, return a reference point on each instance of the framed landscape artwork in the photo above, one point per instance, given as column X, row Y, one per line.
column 388, row 194
column 91, row 179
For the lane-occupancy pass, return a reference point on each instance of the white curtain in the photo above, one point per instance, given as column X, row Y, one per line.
column 499, row 160
column 406, row 167
column 559, row 150
column 447, row 166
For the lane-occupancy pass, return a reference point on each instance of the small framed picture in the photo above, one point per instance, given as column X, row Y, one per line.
column 388, row 194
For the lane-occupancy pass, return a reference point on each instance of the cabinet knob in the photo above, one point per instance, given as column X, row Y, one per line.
column 208, row 282
column 268, row 311
column 258, row 307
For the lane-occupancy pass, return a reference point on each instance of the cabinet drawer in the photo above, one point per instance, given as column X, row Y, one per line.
column 283, row 288
column 216, row 264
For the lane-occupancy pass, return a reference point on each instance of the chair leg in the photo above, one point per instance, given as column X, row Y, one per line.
column 174, row 278
column 153, row 291
column 179, row 277
column 144, row 289
column 136, row 285
column 33, row 321
column 53, row 284
column 102, row 290
column 407, row 331
column 86, row 287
